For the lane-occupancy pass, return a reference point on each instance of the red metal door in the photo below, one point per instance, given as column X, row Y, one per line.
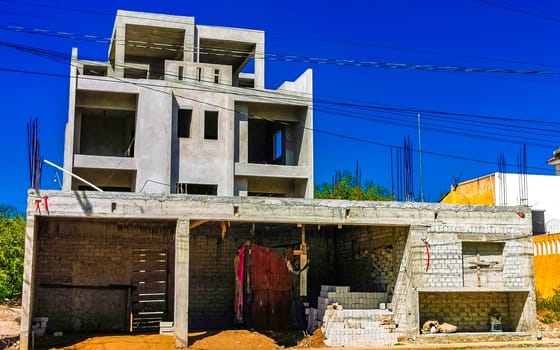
column 271, row 283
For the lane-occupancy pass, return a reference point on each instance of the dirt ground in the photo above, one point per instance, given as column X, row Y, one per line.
column 9, row 324
column 224, row 340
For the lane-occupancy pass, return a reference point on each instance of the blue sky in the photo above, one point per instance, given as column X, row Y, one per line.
column 498, row 111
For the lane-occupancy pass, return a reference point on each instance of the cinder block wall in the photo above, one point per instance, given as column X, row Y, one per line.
column 211, row 277
column 84, row 269
column 211, row 273
column 446, row 262
column 368, row 258
column 470, row 311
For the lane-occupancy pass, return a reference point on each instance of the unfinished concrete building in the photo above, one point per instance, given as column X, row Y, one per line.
column 95, row 261
column 174, row 119
column 176, row 110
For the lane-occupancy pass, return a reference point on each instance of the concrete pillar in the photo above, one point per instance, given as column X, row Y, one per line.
column 259, row 65
column 119, row 49
column 70, row 127
column 242, row 136
column 28, row 288
column 409, row 273
column 181, row 326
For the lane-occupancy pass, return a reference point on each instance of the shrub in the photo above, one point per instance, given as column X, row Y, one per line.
column 12, row 238
column 549, row 308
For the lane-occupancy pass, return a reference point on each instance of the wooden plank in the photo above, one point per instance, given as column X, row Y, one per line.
column 151, row 296
column 150, row 266
column 152, row 306
column 150, row 276
column 302, row 263
column 149, row 257
column 150, row 287
column 303, row 275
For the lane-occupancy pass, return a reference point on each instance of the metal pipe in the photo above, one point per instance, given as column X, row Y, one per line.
column 72, row 174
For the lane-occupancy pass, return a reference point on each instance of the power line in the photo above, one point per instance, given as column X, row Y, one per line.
column 254, row 116
column 520, row 139
column 352, row 43
column 314, row 60
column 513, row 9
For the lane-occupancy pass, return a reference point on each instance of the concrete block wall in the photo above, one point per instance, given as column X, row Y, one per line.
column 517, row 253
column 211, row 277
column 449, row 263
column 446, row 263
column 211, row 280
column 470, row 311
column 321, row 252
column 368, row 258
column 81, row 262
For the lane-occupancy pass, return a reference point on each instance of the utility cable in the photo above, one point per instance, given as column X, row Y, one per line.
column 518, row 139
column 321, row 131
column 361, row 45
column 349, row 62
column 254, row 116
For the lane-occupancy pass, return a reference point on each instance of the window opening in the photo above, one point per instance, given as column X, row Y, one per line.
column 180, row 74
column 199, row 74
column 277, row 145
column 211, row 125
column 184, row 123
column 201, row 189
column 216, row 76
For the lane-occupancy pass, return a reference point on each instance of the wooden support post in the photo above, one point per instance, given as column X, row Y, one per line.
column 478, row 269
column 302, row 263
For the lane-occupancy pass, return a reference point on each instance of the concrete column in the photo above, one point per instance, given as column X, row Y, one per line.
column 70, row 127
column 259, row 65
column 190, row 43
column 28, row 288
column 242, row 136
column 181, row 283
column 119, row 49
column 409, row 273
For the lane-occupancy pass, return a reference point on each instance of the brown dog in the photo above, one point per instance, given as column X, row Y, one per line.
column 430, row 326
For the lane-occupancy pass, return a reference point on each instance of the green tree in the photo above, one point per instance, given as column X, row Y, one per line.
column 12, row 238
column 345, row 185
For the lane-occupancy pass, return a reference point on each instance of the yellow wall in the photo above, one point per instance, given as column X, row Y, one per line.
column 547, row 264
column 479, row 191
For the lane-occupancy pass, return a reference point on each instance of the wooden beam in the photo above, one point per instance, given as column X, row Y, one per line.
column 302, row 263
column 197, row 223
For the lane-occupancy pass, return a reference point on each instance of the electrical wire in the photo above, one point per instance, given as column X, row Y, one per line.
column 56, row 57
column 254, row 116
column 513, row 9
column 361, row 45
column 323, row 60
column 520, row 139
